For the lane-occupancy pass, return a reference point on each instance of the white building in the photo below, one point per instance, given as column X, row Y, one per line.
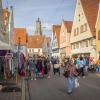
column 56, row 40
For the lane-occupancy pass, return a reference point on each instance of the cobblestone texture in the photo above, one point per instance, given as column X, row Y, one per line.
column 10, row 96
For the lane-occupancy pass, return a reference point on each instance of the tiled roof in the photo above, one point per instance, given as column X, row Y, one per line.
column 35, row 41
column 90, row 8
column 20, row 33
column 56, row 29
column 68, row 25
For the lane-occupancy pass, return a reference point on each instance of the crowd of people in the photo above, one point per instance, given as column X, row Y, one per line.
column 76, row 67
column 73, row 68
column 38, row 67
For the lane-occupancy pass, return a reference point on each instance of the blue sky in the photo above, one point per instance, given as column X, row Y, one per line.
column 50, row 12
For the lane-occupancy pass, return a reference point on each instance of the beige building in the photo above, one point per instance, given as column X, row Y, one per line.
column 65, row 33
column 98, row 34
column 35, row 43
column 83, row 35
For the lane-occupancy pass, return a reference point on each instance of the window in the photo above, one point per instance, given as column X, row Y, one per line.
column 77, row 45
column 73, row 46
column 78, row 3
column 86, row 43
column 81, row 29
column 74, row 32
column 82, row 44
column 99, row 35
column 85, row 27
column 90, row 42
column 79, row 17
column 77, row 31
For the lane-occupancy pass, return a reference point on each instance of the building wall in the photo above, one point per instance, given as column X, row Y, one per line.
column 1, row 22
column 68, row 47
column 81, row 37
column 32, row 51
column 55, row 50
column 65, row 49
column 6, row 14
column 63, row 33
column 98, row 35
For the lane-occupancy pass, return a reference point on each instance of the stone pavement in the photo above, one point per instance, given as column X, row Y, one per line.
column 10, row 96
column 12, row 87
column 55, row 89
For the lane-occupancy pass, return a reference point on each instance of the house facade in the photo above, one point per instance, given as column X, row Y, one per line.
column 56, row 40
column 98, row 34
column 83, row 35
column 65, row 33
column 47, row 46
column 35, row 45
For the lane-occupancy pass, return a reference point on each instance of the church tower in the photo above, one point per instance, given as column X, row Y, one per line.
column 38, row 29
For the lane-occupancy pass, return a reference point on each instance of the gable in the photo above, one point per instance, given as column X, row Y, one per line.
column 80, row 19
column 63, row 32
column 56, row 30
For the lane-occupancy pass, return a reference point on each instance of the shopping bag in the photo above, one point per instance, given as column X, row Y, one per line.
column 76, row 83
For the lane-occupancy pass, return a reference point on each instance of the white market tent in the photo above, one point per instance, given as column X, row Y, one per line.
column 4, row 46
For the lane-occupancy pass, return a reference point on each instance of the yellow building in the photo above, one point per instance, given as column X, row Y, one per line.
column 83, row 33
column 65, row 33
column 98, row 34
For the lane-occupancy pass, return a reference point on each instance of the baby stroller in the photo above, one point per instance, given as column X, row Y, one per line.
column 56, row 69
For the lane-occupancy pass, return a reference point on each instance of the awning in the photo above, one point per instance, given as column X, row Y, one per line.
column 4, row 46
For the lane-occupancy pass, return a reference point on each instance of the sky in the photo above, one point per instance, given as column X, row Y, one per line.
column 50, row 12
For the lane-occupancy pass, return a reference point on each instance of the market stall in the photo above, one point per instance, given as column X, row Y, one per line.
column 4, row 49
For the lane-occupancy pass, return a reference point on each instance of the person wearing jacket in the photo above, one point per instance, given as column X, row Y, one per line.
column 72, row 74
column 33, row 69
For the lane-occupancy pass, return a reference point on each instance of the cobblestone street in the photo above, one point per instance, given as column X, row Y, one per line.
column 10, row 96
